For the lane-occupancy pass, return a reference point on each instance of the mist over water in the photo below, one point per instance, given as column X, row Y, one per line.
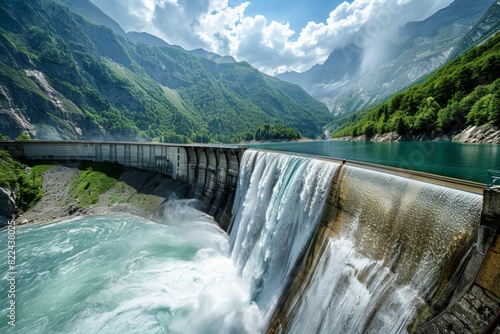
column 125, row 274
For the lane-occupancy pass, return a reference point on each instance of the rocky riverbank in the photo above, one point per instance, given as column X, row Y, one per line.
column 136, row 191
column 479, row 134
column 488, row 134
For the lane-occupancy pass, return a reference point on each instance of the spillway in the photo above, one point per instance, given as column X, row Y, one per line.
column 279, row 201
column 386, row 248
column 394, row 248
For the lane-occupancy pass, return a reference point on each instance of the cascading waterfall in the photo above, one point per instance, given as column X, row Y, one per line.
column 279, row 202
column 397, row 245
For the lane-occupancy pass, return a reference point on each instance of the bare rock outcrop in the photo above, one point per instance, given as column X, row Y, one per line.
column 487, row 133
column 7, row 206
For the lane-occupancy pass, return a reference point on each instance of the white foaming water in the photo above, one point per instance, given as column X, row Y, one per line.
column 124, row 274
column 279, row 202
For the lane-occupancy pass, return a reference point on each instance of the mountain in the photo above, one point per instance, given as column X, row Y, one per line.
column 464, row 92
column 95, row 15
column 92, row 13
column 418, row 49
column 341, row 68
column 66, row 76
column 488, row 26
column 145, row 38
column 151, row 40
column 212, row 56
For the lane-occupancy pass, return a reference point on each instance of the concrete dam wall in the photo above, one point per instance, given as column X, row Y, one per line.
column 363, row 206
column 212, row 170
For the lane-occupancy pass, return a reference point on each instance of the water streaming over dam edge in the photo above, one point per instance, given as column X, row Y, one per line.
column 208, row 169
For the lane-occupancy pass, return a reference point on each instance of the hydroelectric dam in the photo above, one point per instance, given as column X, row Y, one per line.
column 332, row 246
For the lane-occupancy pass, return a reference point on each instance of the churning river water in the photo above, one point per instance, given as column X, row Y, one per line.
column 125, row 274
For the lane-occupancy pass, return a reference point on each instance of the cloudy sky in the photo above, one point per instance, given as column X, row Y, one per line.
column 272, row 35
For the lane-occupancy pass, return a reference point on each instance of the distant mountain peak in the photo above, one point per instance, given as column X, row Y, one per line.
column 418, row 49
column 92, row 13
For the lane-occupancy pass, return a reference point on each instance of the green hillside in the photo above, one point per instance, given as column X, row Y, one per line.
column 63, row 77
column 464, row 92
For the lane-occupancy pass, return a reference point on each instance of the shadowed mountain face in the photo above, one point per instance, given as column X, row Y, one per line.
column 344, row 82
column 92, row 13
column 67, row 71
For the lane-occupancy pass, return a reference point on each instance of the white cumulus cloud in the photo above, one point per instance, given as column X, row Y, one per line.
column 273, row 47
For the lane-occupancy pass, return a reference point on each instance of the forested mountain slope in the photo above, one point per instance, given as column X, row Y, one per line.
column 63, row 76
column 464, row 92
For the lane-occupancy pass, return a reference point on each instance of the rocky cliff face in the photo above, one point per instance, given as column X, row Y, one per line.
column 7, row 206
column 25, row 111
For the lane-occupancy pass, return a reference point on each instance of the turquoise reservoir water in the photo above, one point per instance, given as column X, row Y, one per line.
column 457, row 160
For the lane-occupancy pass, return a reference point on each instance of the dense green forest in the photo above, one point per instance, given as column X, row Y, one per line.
column 69, row 78
column 265, row 132
column 464, row 92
